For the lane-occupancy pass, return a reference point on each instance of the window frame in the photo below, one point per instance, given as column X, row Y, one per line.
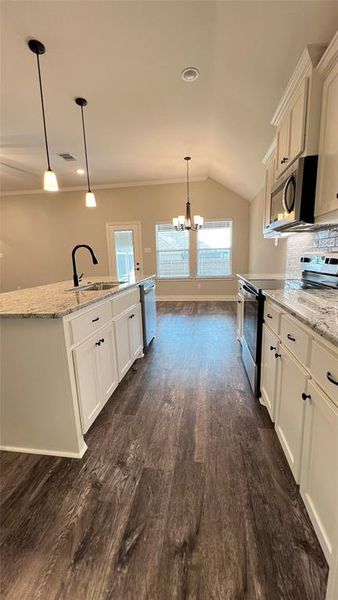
column 188, row 277
column 219, row 277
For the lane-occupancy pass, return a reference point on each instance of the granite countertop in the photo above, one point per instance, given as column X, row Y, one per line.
column 58, row 299
column 318, row 309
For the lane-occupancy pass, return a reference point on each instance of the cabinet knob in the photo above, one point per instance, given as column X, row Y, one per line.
column 273, row 348
column 284, row 160
column 131, row 316
column 306, row 396
column 98, row 343
column 277, row 355
column 102, row 340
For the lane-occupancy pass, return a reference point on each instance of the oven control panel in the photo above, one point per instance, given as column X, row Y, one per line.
column 317, row 262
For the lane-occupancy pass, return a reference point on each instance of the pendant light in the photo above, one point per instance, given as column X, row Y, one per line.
column 185, row 222
column 50, row 183
column 90, row 198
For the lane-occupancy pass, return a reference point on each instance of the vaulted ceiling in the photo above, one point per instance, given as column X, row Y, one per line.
column 126, row 57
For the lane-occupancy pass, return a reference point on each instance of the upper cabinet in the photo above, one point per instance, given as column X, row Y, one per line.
column 291, row 130
column 306, row 122
column 327, row 179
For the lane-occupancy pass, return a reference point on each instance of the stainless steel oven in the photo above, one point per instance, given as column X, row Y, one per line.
column 252, row 334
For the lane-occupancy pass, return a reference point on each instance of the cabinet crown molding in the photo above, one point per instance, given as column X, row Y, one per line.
column 306, row 64
column 270, row 152
column 329, row 57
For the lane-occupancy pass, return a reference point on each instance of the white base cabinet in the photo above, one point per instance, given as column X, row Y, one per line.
column 291, row 410
column 319, row 475
column 269, row 370
column 128, row 334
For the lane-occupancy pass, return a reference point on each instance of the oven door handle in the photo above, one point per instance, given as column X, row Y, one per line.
column 247, row 289
column 287, row 209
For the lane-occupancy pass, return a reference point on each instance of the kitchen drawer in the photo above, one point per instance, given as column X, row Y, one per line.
column 125, row 300
column 324, row 369
column 272, row 317
column 295, row 338
column 88, row 323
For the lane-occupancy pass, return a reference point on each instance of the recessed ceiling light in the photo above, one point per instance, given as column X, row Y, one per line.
column 190, row 74
column 80, row 171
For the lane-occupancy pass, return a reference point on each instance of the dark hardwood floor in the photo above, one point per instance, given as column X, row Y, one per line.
column 184, row 491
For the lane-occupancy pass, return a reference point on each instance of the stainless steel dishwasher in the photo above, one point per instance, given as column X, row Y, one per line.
column 149, row 316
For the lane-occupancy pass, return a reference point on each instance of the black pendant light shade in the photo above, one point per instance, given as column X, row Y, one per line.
column 185, row 222
column 90, row 198
column 50, row 183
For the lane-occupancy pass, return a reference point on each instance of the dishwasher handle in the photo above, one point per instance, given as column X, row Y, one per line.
column 148, row 289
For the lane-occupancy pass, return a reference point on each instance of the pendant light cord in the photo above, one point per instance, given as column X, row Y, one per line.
column 85, row 147
column 43, row 113
column 188, row 199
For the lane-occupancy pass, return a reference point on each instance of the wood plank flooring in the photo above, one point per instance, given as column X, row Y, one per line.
column 184, row 492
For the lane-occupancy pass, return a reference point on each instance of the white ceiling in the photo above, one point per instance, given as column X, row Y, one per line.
column 142, row 119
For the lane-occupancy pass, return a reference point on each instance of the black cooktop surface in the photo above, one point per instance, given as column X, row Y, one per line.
column 285, row 284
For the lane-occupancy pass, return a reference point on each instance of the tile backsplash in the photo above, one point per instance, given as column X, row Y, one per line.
column 324, row 240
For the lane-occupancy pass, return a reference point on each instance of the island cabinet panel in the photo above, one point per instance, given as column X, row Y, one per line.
column 87, row 380
column 96, row 373
column 107, row 363
column 128, row 334
column 291, row 409
column 135, row 331
column 269, row 370
column 319, row 476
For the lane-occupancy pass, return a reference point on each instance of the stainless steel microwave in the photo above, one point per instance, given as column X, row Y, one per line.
column 292, row 197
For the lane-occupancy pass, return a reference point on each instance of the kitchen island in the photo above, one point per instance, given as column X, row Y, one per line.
column 64, row 351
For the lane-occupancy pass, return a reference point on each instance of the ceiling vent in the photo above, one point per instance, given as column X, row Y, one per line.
column 67, row 156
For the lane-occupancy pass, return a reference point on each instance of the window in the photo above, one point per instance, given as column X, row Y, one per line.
column 172, row 249
column 214, row 243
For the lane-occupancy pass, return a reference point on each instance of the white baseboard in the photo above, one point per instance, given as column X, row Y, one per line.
column 205, row 298
column 46, row 452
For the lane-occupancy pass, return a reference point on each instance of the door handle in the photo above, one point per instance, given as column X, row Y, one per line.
column 331, row 378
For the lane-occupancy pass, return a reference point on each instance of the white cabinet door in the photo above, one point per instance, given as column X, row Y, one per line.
column 106, row 364
column 269, row 370
column 319, row 475
column 240, row 313
column 122, row 338
column 135, row 331
column 327, row 186
column 282, row 152
column 269, row 181
column 85, row 360
column 291, row 132
column 297, row 122
column 290, row 410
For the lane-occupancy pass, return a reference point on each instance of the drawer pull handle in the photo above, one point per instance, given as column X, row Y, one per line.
column 290, row 337
column 96, row 319
column 306, row 396
column 277, row 355
column 269, row 316
column 331, row 378
column 273, row 348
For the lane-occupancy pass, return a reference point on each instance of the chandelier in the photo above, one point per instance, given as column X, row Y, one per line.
column 186, row 222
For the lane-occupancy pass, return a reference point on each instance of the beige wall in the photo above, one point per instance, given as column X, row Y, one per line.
column 264, row 256
column 40, row 230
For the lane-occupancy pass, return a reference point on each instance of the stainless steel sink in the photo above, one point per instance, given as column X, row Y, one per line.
column 96, row 287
